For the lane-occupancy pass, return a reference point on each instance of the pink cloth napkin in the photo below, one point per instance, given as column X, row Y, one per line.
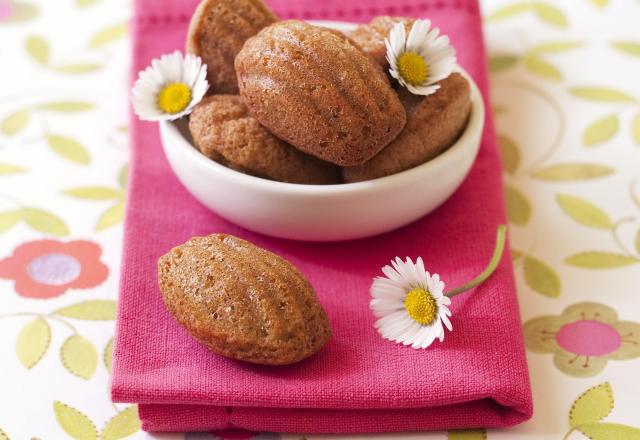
column 358, row 382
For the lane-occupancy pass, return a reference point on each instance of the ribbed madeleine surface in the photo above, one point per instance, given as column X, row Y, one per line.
column 223, row 130
column 217, row 31
column 317, row 91
column 242, row 301
column 434, row 123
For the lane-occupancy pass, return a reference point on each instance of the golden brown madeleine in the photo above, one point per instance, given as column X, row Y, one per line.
column 224, row 131
column 370, row 37
column 314, row 89
column 217, row 31
column 242, row 301
column 434, row 122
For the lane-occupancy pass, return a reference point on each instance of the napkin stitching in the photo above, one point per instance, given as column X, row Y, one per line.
column 228, row 415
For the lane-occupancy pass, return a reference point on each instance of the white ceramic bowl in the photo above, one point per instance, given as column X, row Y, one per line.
column 324, row 212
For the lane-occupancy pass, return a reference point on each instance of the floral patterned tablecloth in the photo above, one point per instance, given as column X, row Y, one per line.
column 567, row 102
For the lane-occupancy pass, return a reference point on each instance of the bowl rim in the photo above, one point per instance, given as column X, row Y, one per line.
column 474, row 125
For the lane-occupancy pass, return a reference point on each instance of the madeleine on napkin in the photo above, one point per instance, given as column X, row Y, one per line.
column 242, row 301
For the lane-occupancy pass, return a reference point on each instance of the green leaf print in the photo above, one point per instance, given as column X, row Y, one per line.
column 66, row 106
column 79, row 356
column 567, row 172
column 584, row 212
column 85, row 3
column 600, row 260
column 107, row 355
column 556, row 46
column 600, row 130
column 467, row 434
column 44, row 221
column 32, row 342
column 122, row 425
column 123, row 176
column 94, row 193
column 635, row 128
column 518, row 207
column 549, row 14
column 38, row 48
column 592, row 406
column 69, row 148
column 610, row 431
column 499, row 63
column 603, row 94
column 74, row 423
column 111, row 217
column 78, row 68
column 15, row 122
column 542, row 68
column 541, row 278
column 588, row 411
column 7, row 168
column 9, row 219
column 509, row 11
column 108, row 35
column 510, row 153
column 628, row 47
column 90, row 310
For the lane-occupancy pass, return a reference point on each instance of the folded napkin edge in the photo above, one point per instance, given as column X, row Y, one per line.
column 476, row 414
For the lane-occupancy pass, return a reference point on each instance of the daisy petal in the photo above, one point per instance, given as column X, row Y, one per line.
column 445, row 320
column 440, row 332
column 382, row 307
column 418, row 35
column 392, row 327
column 421, row 336
column 398, row 38
column 410, row 335
column 430, row 338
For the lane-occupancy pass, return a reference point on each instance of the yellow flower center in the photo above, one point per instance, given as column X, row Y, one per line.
column 421, row 306
column 412, row 68
column 174, row 98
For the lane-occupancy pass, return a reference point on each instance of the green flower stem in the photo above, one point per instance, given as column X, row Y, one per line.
column 491, row 267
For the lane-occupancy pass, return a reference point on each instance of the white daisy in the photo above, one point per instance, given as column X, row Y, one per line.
column 421, row 59
column 170, row 87
column 410, row 304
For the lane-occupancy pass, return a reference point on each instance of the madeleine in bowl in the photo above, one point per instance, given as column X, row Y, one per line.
column 327, row 139
column 324, row 212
